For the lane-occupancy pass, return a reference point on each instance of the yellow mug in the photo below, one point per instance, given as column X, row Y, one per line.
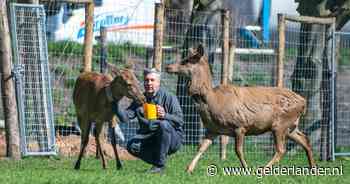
column 150, row 111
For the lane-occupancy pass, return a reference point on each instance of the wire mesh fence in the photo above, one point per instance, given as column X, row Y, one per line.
column 341, row 129
column 307, row 73
column 250, row 69
column 32, row 76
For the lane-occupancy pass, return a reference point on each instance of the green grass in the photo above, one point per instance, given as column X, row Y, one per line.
column 60, row 170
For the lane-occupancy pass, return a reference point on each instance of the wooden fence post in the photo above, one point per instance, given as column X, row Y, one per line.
column 158, row 36
column 231, row 60
column 88, row 36
column 281, row 47
column 104, row 52
column 225, row 15
column 7, row 88
column 225, row 45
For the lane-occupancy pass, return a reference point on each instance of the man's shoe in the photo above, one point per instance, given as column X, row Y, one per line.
column 156, row 170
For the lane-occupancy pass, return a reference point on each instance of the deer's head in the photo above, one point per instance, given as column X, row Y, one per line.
column 190, row 65
column 127, row 84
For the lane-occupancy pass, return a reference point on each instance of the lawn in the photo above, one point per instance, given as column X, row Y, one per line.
column 39, row 170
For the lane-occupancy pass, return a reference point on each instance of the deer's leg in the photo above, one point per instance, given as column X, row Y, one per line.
column 85, row 126
column 114, row 145
column 98, row 138
column 97, row 156
column 103, row 139
column 280, row 140
column 223, row 144
column 239, row 141
column 202, row 148
column 303, row 140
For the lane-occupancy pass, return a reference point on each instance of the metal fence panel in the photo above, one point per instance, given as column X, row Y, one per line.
column 33, row 79
column 308, row 54
column 341, row 129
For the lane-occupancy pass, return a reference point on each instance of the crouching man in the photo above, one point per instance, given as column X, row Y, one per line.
column 155, row 139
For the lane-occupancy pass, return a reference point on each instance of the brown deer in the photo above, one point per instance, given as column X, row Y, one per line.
column 93, row 96
column 239, row 111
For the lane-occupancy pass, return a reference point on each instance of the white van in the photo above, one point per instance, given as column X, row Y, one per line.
column 126, row 21
column 132, row 20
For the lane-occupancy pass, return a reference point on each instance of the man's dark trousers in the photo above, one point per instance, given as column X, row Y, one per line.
column 155, row 149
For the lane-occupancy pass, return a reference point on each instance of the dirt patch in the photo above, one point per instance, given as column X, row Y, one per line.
column 69, row 146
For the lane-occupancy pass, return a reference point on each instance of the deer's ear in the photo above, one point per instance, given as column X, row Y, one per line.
column 200, row 50
column 191, row 52
column 130, row 64
column 115, row 71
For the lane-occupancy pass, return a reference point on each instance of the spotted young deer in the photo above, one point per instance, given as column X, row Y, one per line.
column 93, row 96
column 239, row 111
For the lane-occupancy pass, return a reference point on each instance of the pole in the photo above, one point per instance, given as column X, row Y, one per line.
column 158, row 36
column 225, row 14
column 281, row 47
column 103, row 57
column 88, row 36
column 7, row 88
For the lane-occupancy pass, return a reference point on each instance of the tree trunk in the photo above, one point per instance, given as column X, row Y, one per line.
column 7, row 88
column 326, row 98
column 307, row 75
column 311, row 79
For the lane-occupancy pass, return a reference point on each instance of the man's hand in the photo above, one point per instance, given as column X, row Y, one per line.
column 153, row 125
column 160, row 112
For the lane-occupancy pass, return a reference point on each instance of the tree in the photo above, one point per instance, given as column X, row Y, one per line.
column 340, row 9
column 7, row 88
column 311, row 75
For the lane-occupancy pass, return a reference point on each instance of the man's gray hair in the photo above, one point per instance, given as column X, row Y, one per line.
column 154, row 71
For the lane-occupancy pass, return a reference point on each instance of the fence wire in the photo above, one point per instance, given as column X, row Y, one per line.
column 249, row 70
column 342, row 128
column 31, row 72
column 308, row 74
